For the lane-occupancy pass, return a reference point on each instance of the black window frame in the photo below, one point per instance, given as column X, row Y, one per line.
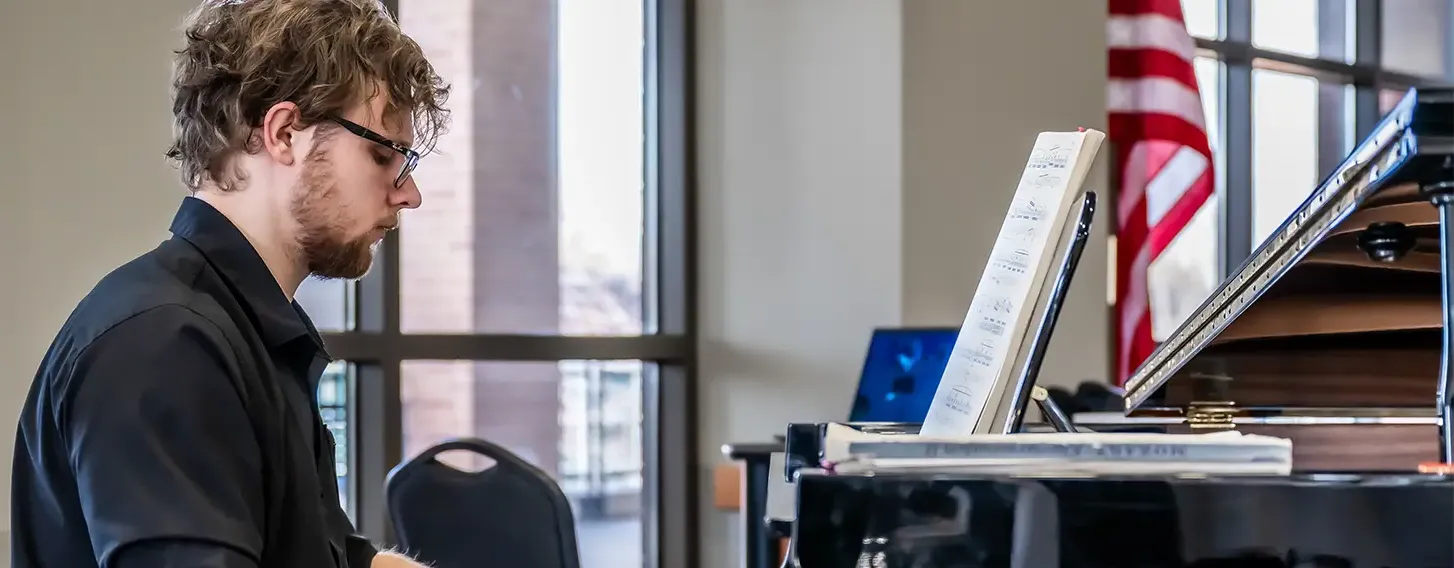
column 376, row 348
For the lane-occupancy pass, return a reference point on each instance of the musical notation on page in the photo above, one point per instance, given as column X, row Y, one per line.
column 959, row 399
column 992, row 325
column 1029, row 210
column 1016, row 262
column 982, row 354
column 1055, row 157
column 1045, row 181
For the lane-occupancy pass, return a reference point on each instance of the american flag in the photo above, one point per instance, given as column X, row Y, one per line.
column 1163, row 158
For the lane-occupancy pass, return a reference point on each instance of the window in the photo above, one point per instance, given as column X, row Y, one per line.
column 1201, row 18
column 1288, row 86
column 329, row 304
column 333, row 403
column 1284, row 147
column 1288, row 26
column 538, row 297
column 1415, row 39
column 533, row 222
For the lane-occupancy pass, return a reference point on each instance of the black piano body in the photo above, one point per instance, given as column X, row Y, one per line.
column 964, row 521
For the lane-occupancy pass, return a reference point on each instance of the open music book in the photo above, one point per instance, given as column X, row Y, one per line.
column 995, row 329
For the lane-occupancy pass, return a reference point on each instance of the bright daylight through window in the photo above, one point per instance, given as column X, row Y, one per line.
column 548, row 97
column 532, row 224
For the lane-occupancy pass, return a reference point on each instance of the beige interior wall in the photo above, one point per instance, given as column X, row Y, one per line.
column 85, row 184
column 800, row 220
column 980, row 81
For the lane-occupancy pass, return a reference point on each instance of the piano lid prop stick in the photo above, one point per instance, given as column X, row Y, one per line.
column 1053, row 413
column 1442, row 195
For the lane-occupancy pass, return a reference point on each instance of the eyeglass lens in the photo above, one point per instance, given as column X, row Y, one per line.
column 405, row 170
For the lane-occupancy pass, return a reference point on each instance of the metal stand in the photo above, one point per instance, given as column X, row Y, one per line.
column 1442, row 195
column 1053, row 414
column 1020, row 392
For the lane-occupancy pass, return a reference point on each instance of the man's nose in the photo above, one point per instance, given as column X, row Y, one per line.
column 407, row 196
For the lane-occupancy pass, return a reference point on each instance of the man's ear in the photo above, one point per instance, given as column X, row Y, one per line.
column 279, row 133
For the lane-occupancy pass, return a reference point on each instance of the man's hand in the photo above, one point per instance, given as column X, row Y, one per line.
column 388, row 559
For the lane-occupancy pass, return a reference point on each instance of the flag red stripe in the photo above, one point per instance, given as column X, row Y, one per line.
column 1126, row 128
column 1168, row 8
column 1141, row 63
column 1155, row 110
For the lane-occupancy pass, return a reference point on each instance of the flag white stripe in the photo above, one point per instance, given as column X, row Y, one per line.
column 1156, row 95
column 1150, row 31
column 1171, row 182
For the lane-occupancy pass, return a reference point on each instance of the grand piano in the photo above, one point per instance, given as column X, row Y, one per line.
column 1334, row 334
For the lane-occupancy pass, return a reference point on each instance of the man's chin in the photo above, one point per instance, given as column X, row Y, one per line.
column 355, row 268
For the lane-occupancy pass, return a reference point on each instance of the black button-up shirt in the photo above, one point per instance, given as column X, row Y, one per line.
column 173, row 421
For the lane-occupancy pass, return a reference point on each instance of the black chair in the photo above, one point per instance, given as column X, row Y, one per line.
column 509, row 515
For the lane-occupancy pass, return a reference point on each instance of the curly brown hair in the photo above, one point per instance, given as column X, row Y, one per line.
column 244, row 56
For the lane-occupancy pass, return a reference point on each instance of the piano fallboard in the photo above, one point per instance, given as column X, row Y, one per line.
column 966, row 521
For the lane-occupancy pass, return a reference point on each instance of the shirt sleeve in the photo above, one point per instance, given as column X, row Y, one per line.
column 360, row 551
column 162, row 447
column 191, row 554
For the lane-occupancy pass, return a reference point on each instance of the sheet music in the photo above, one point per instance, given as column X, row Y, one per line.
column 998, row 315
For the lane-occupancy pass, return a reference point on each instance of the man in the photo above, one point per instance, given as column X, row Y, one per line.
column 172, row 422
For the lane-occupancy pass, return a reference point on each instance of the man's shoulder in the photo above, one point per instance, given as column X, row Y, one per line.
column 159, row 292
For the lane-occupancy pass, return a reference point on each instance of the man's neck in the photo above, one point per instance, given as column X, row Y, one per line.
column 266, row 233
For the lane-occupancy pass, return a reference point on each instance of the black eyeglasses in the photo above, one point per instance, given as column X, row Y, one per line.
column 411, row 157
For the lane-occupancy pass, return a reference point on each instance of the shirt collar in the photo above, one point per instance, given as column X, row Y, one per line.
column 230, row 253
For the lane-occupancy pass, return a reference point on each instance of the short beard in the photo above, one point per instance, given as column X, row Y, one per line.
column 322, row 235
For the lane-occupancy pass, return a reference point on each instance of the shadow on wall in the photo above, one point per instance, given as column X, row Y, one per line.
column 756, row 365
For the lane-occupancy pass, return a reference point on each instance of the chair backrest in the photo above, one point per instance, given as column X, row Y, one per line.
column 509, row 515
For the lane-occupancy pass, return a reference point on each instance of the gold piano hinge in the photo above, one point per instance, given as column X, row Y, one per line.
column 1211, row 415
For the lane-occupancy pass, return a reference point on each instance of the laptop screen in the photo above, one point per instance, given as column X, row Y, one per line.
column 900, row 373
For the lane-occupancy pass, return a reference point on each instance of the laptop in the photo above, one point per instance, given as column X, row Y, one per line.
column 901, row 372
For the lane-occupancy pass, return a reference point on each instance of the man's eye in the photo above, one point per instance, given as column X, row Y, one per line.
column 381, row 160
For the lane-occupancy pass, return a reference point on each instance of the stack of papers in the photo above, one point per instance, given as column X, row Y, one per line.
column 846, row 450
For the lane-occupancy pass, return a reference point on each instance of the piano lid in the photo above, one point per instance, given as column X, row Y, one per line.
column 1340, row 308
